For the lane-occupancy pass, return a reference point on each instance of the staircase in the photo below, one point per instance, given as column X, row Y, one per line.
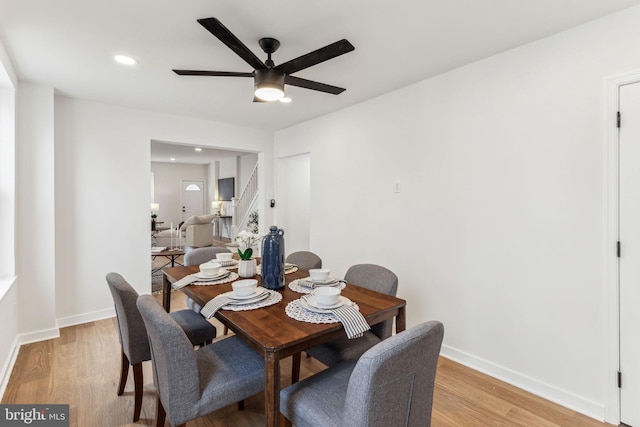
column 244, row 204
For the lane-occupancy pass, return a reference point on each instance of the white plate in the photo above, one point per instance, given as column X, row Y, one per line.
column 259, row 290
column 219, row 275
column 256, row 298
column 227, row 263
column 308, row 304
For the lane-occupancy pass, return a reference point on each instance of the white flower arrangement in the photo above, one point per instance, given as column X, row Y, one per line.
column 245, row 241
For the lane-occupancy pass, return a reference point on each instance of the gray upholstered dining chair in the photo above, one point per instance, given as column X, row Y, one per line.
column 199, row 256
column 390, row 385
column 133, row 335
column 368, row 276
column 305, row 260
column 192, row 383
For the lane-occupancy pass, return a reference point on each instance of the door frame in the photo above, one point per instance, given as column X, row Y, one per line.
column 611, row 272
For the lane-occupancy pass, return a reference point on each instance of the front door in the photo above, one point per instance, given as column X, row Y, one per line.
column 193, row 195
column 629, row 237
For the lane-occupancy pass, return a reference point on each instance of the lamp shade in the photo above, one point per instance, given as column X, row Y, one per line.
column 269, row 84
column 155, row 207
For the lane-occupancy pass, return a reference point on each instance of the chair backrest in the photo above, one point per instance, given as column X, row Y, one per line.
column 379, row 279
column 131, row 330
column 199, row 256
column 392, row 383
column 175, row 370
column 305, row 260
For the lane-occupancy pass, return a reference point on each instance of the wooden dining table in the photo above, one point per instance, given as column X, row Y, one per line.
column 275, row 335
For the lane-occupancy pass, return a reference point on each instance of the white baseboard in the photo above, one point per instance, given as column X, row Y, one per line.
column 561, row 397
column 7, row 369
column 45, row 334
column 86, row 318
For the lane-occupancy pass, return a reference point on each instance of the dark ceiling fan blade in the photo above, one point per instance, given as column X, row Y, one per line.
column 308, row 84
column 317, row 56
column 212, row 73
column 223, row 34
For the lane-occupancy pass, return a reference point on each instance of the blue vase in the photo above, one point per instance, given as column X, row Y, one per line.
column 272, row 263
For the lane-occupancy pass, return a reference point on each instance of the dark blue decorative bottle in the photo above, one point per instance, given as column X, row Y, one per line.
column 272, row 263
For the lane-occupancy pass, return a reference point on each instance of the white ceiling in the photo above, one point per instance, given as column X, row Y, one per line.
column 69, row 44
column 168, row 152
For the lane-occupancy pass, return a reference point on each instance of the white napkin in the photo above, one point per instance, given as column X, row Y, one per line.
column 353, row 321
column 187, row 280
column 214, row 305
column 308, row 283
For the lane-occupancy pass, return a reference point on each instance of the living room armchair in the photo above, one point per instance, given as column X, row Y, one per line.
column 196, row 232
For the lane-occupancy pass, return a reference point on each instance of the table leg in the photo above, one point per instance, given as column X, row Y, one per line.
column 166, row 293
column 295, row 368
column 401, row 320
column 272, row 388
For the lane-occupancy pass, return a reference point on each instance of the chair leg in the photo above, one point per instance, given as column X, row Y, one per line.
column 160, row 413
column 124, row 373
column 138, row 386
column 295, row 368
column 284, row 421
column 241, row 405
column 226, row 330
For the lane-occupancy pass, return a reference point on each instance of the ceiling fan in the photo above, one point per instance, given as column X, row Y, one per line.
column 270, row 79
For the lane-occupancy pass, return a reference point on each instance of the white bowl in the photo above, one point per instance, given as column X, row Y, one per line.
column 224, row 256
column 243, row 288
column 326, row 296
column 209, row 268
column 319, row 274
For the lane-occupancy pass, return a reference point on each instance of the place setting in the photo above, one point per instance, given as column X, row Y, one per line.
column 288, row 268
column 325, row 304
column 211, row 273
column 246, row 295
column 318, row 277
column 225, row 259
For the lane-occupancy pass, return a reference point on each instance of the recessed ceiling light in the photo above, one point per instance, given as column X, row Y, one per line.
column 126, row 60
column 173, row 159
column 285, row 99
column 198, row 149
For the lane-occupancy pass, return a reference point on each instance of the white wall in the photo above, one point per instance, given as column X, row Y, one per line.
column 228, row 168
column 246, row 164
column 102, row 194
column 8, row 290
column 497, row 230
column 36, row 206
column 293, row 200
column 168, row 189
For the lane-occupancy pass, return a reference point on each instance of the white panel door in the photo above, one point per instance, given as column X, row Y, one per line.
column 629, row 146
column 193, row 195
column 294, row 201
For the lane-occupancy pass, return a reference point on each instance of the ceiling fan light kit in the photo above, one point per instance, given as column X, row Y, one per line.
column 269, row 79
column 269, row 84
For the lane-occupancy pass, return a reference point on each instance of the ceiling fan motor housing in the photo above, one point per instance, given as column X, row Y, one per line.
column 268, row 78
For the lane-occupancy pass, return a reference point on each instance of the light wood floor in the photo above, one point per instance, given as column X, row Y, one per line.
column 81, row 369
